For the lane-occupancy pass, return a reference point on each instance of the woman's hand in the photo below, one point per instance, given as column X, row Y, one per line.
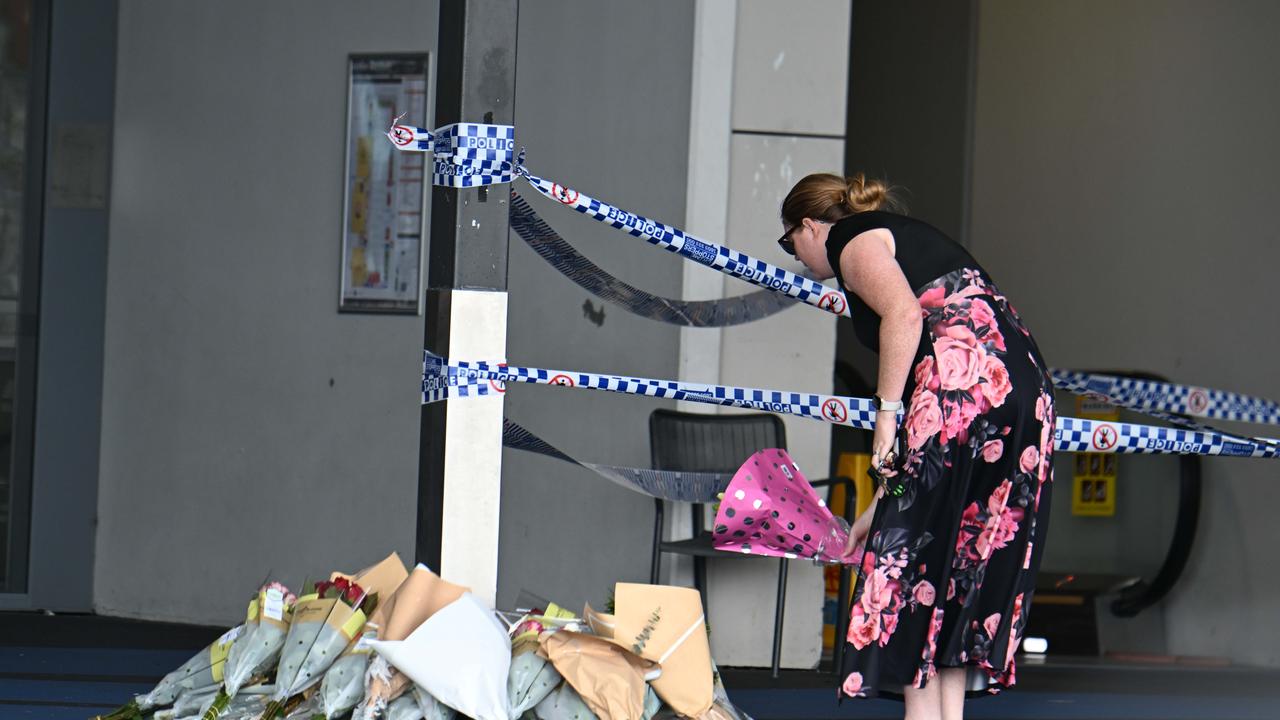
column 858, row 531
column 886, row 432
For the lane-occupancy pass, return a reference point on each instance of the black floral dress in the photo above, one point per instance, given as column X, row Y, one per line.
column 948, row 570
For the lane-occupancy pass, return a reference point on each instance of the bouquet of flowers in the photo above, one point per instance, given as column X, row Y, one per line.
column 203, row 671
column 609, row 678
column 532, row 677
column 404, row 707
column 302, row 707
column 258, row 649
column 666, row 625
column 190, row 702
column 343, row 686
column 431, row 708
column 564, row 703
column 461, row 655
column 418, row 597
column 265, row 630
column 324, row 624
column 248, row 704
column 769, row 508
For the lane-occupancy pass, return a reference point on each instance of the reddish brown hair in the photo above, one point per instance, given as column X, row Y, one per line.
column 827, row 197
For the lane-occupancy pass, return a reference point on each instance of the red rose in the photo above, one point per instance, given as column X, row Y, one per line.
column 932, row 298
column 852, row 685
column 991, row 624
column 981, row 315
column 924, row 418
column 997, row 385
column 960, row 358
column 924, row 593
column 1030, row 459
column 353, row 594
column 864, row 629
column 925, row 375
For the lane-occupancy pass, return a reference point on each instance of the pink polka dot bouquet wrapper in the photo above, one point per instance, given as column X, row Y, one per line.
column 770, row 509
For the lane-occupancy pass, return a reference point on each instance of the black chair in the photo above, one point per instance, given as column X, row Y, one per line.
column 696, row 442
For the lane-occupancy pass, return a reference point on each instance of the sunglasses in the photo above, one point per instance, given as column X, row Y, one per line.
column 787, row 244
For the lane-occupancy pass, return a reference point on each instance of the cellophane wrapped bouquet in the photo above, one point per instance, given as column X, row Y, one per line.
column 257, row 651
column 325, row 622
column 201, row 674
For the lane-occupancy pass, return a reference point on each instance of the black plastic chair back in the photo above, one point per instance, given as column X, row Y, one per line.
column 693, row 442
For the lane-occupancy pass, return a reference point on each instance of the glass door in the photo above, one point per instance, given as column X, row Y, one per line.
column 22, row 93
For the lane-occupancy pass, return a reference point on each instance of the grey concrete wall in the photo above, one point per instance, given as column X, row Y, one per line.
column 909, row 76
column 222, row 337
column 1123, row 186
column 789, row 80
column 602, row 103
column 247, row 427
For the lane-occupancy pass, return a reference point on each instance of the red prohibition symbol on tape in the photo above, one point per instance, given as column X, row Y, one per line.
column 499, row 385
column 562, row 380
column 834, row 410
column 1197, row 401
column 401, row 135
column 1105, row 437
column 564, row 194
column 832, row 302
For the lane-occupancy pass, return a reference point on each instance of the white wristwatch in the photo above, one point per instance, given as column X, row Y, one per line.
column 882, row 405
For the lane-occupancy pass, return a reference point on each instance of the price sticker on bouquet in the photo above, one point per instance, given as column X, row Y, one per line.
column 273, row 604
column 229, row 636
column 219, row 651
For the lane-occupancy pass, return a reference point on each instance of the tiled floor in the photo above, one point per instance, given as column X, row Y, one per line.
column 1059, row 689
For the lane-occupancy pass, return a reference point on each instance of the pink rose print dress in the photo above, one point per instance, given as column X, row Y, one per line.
column 949, row 567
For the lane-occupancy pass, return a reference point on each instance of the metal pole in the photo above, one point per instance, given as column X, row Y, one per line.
column 460, row 447
column 779, row 608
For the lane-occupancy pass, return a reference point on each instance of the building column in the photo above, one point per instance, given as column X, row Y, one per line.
column 460, row 465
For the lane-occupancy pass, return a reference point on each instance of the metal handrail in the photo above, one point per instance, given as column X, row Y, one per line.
column 1141, row 595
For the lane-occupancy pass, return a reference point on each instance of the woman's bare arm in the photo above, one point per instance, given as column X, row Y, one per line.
column 871, row 272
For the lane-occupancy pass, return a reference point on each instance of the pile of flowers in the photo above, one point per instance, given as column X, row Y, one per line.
column 389, row 644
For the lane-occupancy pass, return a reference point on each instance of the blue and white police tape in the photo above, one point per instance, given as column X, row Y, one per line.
column 442, row 379
column 466, row 154
column 673, row 239
column 543, row 240
column 471, row 154
column 666, row 484
column 500, row 163
column 1149, row 395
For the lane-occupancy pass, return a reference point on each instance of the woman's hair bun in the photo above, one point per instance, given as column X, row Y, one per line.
column 863, row 193
column 830, row 197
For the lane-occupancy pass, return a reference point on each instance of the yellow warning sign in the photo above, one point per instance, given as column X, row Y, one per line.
column 1093, row 490
column 854, row 466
